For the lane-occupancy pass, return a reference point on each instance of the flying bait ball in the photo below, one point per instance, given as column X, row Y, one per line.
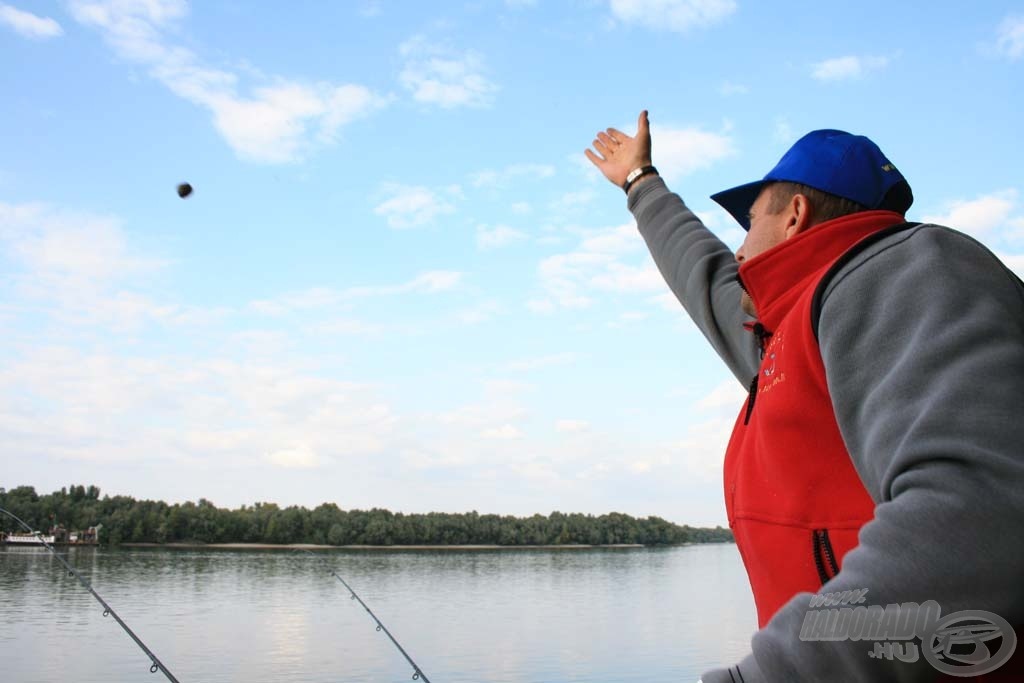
column 184, row 190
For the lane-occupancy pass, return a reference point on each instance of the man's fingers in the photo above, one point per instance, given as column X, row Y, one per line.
column 608, row 140
column 594, row 159
column 615, row 153
column 617, row 135
column 603, row 148
column 642, row 122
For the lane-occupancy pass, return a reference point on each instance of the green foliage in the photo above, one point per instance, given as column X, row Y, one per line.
column 126, row 520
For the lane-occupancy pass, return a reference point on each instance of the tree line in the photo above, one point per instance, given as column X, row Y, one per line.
column 127, row 520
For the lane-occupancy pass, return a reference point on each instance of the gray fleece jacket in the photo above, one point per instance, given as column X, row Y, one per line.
column 922, row 338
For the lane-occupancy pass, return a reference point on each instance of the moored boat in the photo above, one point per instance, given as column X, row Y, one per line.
column 57, row 535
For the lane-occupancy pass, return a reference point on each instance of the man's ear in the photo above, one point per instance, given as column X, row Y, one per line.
column 799, row 215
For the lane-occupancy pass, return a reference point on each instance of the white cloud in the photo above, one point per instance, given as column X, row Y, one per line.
column 479, row 313
column 980, row 217
column 299, row 457
column 728, row 396
column 490, row 178
column 572, row 202
column 701, row 451
column 27, row 24
column 544, row 306
column 618, row 277
column 503, row 432
column 494, row 418
column 723, row 225
column 672, row 15
column 312, row 298
column 667, row 301
column 564, row 276
column 428, row 282
column 370, row 8
column 529, row 364
column 348, row 327
column 569, row 280
column 506, row 387
column 1010, row 39
column 81, row 267
column 536, row 471
column 281, row 121
column 436, row 75
column 99, row 407
column 619, row 240
column 682, row 151
column 83, row 248
column 784, row 132
column 994, row 218
column 847, row 68
column 434, row 281
column 498, row 236
column 412, row 206
column 713, row 218
column 571, row 426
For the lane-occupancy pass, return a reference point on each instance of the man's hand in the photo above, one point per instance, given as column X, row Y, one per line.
column 618, row 153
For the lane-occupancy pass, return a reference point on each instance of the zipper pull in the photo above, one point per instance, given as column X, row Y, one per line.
column 751, row 397
column 762, row 335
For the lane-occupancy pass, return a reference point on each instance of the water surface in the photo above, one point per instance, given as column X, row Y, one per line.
column 508, row 616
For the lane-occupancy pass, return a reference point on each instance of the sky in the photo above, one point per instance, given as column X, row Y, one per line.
column 398, row 282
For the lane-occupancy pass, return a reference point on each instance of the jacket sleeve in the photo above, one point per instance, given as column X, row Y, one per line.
column 923, row 343
column 700, row 270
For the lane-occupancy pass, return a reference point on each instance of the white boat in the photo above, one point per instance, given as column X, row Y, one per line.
column 28, row 539
column 58, row 536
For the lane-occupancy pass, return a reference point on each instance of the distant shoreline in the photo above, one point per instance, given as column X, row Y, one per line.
column 313, row 547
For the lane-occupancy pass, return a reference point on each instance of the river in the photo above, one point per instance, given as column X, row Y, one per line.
column 507, row 616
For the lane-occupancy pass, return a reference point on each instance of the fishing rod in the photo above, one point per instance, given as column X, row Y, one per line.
column 417, row 673
column 107, row 609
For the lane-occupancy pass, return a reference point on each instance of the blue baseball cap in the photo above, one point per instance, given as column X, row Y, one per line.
column 833, row 161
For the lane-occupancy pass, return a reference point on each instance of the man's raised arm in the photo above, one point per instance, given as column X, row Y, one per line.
column 698, row 267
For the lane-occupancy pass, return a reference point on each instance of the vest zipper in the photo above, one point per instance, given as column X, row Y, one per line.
column 761, row 334
column 752, row 395
column 824, row 556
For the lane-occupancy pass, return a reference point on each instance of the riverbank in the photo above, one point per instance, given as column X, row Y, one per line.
column 312, row 547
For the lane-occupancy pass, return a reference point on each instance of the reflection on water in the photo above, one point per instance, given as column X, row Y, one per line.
column 464, row 616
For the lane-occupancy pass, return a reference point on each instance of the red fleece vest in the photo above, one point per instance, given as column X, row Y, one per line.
column 794, row 499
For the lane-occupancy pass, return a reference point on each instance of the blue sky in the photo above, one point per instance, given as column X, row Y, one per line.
column 399, row 283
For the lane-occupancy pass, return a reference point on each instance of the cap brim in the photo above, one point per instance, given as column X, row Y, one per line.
column 738, row 200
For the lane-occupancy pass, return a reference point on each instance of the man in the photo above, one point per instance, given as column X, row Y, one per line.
column 880, row 454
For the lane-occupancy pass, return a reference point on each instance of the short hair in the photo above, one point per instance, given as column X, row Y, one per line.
column 824, row 206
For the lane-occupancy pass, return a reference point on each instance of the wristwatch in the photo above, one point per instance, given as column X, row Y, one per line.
column 635, row 175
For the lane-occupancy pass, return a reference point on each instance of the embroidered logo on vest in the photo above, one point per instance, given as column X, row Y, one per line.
column 773, row 363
